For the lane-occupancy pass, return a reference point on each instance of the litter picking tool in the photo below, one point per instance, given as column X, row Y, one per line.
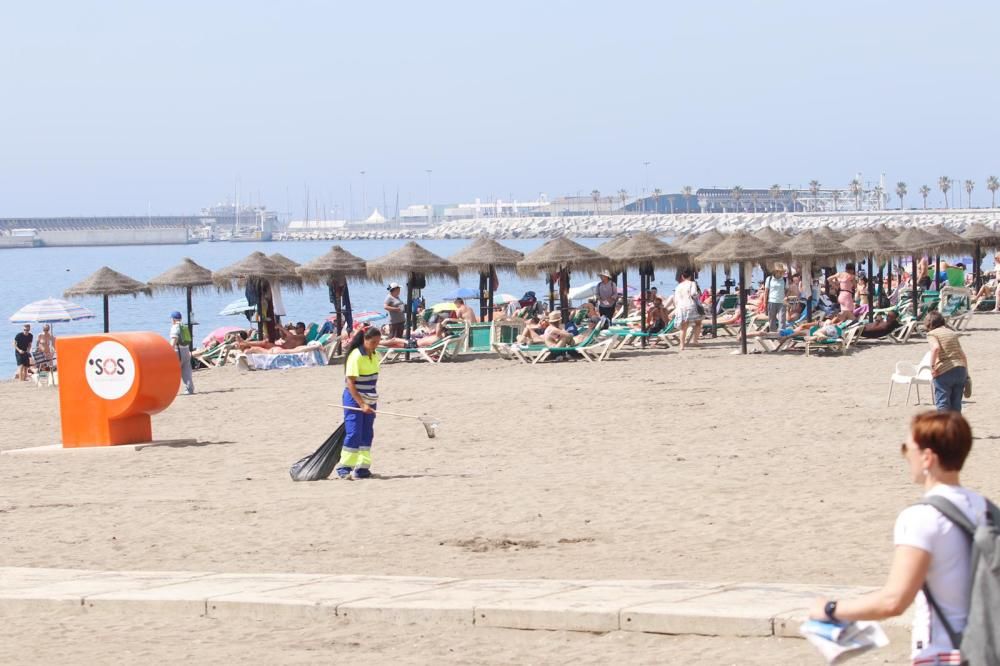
column 430, row 423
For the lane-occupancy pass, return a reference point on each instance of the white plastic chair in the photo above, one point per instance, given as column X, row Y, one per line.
column 911, row 375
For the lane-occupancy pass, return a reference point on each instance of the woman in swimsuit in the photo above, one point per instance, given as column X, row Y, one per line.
column 846, row 280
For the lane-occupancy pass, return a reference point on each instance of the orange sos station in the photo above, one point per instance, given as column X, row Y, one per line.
column 110, row 385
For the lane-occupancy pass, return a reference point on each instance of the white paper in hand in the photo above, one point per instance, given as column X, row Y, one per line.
column 839, row 642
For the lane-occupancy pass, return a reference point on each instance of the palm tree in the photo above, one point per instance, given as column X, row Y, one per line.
column 944, row 184
column 814, row 191
column 900, row 192
column 969, row 186
column 795, row 199
column 836, row 194
column 856, row 191
column 775, row 192
column 924, row 191
column 657, row 193
column 993, row 184
column 880, row 196
column 736, row 193
column 623, row 195
column 753, row 200
column 596, row 196
column 687, row 191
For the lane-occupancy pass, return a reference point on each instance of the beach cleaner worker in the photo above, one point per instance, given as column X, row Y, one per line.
column 397, row 311
column 180, row 339
column 360, row 379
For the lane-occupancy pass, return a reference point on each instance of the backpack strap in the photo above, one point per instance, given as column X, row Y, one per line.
column 947, row 509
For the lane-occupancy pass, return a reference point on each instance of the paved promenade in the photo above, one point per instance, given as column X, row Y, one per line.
column 654, row 606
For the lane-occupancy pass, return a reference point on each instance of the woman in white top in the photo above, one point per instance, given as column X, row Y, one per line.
column 929, row 548
column 686, row 303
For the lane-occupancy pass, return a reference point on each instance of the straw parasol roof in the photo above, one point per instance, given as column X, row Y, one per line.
column 771, row 235
column 256, row 267
column 951, row 242
column 977, row 231
column 740, row 247
column 610, row 244
column 915, row 239
column 870, row 241
column 185, row 275
column 282, row 260
column 484, row 253
column 832, row 233
column 106, row 282
column 645, row 248
column 698, row 244
column 561, row 253
column 337, row 263
column 811, row 245
column 409, row 259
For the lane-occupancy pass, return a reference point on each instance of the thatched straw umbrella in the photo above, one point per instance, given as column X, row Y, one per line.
column 808, row 247
column 258, row 273
column 912, row 241
column 606, row 247
column 185, row 276
column 416, row 264
column 771, row 235
column 694, row 246
column 105, row 283
column 832, row 234
column 333, row 269
column 742, row 248
column 871, row 243
column 646, row 252
column 282, row 260
column 561, row 256
column 484, row 256
column 981, row 237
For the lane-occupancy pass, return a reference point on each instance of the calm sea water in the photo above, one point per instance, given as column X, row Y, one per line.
column 38, row 273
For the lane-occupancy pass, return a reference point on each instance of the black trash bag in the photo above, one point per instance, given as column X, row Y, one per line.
column 319, row 465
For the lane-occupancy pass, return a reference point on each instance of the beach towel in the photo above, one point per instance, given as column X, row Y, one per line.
column 319, row 464
column 303, row 359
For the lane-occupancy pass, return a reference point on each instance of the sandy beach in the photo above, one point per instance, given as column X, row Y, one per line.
column 698, row 466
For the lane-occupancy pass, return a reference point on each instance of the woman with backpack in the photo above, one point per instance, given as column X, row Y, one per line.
column 932, row 560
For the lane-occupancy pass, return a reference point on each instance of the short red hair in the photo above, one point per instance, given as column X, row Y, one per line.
column 947, row 434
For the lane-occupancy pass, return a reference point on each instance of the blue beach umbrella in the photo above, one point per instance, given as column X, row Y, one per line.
column 50, row 311
column 461, row 292
column 237, row 307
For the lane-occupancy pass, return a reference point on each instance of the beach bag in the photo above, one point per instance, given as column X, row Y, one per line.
column 980, row 642
column 319, row 465
column 185, row 335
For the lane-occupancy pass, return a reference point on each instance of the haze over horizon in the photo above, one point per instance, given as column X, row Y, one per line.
column 123, row 108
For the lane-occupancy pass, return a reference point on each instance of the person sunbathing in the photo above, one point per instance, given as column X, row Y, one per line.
column 881, row 328
column 290, row 339
column 534, row 332
column 463, row 312
column 440, row 333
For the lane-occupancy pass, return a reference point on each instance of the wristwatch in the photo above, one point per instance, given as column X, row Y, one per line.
column 831, row 610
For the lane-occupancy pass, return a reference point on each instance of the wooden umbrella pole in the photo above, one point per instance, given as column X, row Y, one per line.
column 260, row 310
column 489, row 303
column 625, row 292
column 743, row 313
column 913, row 280
column 871, row 278
column 107, row 321
column 483, row 297
column 552, row 292
column 564, row 294
column 643, row 285
column 190, row 323
column 809, row 289
column 937, row 272
column 715, row 303
column 977, row 268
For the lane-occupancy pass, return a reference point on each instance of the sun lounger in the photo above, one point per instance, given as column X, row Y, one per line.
column 441, row 350
column 591, row 348
column 841, row 344
column 44, row 369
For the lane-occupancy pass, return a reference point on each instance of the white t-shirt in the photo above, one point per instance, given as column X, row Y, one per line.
column 175, row 333
column 685, row 294
column 948, row 578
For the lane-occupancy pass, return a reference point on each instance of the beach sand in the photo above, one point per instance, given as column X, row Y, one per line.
column 697, row 466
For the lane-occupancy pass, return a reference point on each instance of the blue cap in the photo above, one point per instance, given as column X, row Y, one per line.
column 176, row 315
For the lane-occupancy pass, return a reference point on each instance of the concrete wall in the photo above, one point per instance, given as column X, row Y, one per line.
column 17, row 241
column 168, row 236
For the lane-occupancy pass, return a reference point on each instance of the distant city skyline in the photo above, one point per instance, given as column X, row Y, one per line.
column 128, row 108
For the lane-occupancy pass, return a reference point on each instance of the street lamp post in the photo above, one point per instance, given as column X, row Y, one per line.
column 646, row 189
column 430, row 208
column 364, row 195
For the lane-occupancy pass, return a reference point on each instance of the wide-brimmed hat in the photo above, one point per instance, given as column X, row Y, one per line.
column 555, row 316
column 604, row 274
column 392, row 285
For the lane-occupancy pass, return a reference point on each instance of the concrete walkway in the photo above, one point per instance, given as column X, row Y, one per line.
column 655, row 606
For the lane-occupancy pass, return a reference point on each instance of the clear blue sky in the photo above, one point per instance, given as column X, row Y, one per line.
column 107, row 107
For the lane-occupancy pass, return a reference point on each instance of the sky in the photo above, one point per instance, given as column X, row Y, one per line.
column 136, row 106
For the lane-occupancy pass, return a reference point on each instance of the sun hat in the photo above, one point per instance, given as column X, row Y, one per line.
column 555, row 316
column 392, row 285
column 176, row 315
column 604, row 274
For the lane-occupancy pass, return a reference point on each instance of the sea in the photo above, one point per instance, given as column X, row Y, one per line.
column 43, row 272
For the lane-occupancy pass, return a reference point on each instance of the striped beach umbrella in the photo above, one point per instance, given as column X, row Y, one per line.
column 50, row 311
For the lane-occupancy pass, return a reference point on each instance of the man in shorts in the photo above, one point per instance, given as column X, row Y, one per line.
column 22, row 352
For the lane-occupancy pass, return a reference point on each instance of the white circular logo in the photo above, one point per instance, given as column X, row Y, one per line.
column 110, row 370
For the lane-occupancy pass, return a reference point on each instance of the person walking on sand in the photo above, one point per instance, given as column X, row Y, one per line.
column 22, row 352
column 607, row 296
column 949, row 365
column 360, row 392
column 180, row 339
column 686, row 302
column 397, row 311
column 774, row 291
column 931, row 553
column 46, row 343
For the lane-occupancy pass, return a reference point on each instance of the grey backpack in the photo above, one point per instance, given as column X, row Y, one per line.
column 980, row 642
